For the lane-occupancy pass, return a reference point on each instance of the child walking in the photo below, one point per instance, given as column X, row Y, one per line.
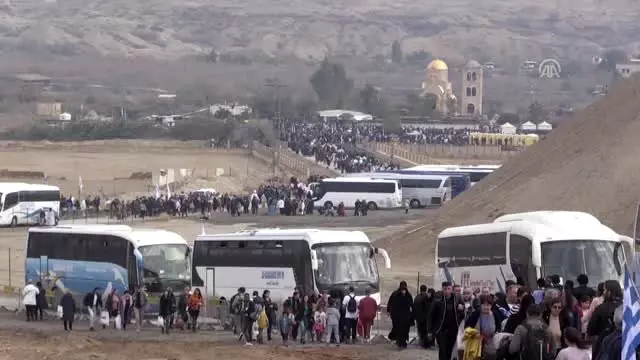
column 319, row 322
column 286, row 324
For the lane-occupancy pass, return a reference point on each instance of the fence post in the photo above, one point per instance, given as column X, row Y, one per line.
column 10, row 272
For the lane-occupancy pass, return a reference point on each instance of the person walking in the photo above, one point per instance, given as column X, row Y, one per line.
column 400, row 309
column 41, row 301
column 29, row 299
column 68, row 310
column 139, row 304
column 195, row 302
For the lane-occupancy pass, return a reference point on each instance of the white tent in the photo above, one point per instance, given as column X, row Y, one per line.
column 545, row 126
column 507, row 129
column 528, row 126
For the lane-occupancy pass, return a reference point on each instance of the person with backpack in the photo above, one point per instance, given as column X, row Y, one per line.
column 235, row 308
column 350, row 304
column 248, row 318
column 533, row 339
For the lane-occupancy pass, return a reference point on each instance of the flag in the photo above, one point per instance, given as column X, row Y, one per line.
column 80, row 185
column 157, row 192
column 630, row 319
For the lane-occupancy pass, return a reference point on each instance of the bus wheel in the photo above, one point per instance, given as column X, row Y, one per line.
column 14, row 222
column 372, row 205
column 328, row 204
column 414, row 204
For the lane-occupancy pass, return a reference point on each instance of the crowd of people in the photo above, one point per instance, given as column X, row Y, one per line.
column 334, row 143
column 553, row 321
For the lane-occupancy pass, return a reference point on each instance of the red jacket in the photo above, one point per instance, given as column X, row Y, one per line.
column 368, row 308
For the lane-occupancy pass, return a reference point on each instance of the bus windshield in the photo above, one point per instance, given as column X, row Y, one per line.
column 166, row 265
column 570, row 258
column 342, row 265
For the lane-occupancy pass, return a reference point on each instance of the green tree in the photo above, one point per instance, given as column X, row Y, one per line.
column 396, row 52
column 331, row 84
column 371, row 101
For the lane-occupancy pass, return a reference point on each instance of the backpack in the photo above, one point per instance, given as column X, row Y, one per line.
column 352, row 305
column 537, row 344
column 88, row 300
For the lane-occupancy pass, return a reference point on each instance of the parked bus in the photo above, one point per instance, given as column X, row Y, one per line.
column 460, row 182
column 83, row 257
column 418, row 189
column 475, row 174
column 379, row 194
column 283, row 260
column 526, row 246
column 21, row 203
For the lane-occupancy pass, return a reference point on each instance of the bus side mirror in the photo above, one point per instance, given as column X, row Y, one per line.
column 385, row 256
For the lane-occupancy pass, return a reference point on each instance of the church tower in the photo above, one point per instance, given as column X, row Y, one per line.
column 472, row 82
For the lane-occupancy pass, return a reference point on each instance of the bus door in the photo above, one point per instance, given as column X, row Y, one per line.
column 520, row 259
column 44, row 268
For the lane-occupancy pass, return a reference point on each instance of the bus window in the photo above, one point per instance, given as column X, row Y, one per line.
column 10, row 200
column 473, row 250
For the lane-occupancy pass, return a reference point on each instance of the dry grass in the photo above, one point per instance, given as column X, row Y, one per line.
column 590, row 164
column 109, row 167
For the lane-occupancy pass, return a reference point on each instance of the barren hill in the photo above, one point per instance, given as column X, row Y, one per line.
column 305, row 29
column 590, row 163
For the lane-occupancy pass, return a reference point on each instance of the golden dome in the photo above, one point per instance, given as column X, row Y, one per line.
column 437, row 64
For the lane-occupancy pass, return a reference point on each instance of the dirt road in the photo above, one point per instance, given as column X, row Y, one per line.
column 47, row 340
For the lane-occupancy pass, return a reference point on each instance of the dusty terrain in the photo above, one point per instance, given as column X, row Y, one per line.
column 309, row 30
column 46, row 340
column 109, row 167
column 590, row 164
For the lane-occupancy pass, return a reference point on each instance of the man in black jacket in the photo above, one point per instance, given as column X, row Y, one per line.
column 446, row 314
column 420, row 312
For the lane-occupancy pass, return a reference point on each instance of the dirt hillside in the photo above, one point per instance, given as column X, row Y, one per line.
column 588, row 164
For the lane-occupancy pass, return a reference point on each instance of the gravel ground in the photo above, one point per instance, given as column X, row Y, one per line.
column 47, row 340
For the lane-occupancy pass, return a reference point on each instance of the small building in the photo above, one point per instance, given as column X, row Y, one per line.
column 629, row 68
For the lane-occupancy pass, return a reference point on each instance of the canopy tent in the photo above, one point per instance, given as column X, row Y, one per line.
column 545, row 126
column 507, row 129
column 528, row 126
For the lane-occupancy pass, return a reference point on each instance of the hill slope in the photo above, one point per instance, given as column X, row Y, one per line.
column 309, row 29
column 590, row 164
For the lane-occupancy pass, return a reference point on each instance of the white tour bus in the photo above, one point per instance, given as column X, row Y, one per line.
column 21, row 203
column 379, row 194
column 84, row 257
column 419, row 190
column 283, row 260
column 527, row 246
column 476, row 173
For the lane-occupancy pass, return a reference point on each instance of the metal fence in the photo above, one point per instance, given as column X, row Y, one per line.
column 11, row 269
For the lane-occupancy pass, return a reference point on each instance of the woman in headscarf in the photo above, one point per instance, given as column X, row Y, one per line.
column 400, row 308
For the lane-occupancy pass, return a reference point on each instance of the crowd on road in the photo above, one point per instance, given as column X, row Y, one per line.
column 335, row 143
column 553, row 321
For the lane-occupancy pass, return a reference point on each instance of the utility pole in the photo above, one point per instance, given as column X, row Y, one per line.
column 275, row 85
